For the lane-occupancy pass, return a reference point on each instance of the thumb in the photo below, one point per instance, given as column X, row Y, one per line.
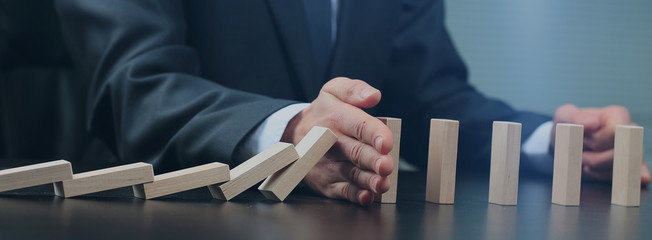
column 355, row 92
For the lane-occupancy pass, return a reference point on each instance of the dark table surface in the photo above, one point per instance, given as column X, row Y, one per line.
column 35, row 213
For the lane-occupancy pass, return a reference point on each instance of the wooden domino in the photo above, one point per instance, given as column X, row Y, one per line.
column 183, row 180
column 394, row 124
column 311, row 148
column 442, row 161
column 628, row 157
column 34, row 175
column 505, row 156
column 255, row 170
column 566, row 181
column 105, row 179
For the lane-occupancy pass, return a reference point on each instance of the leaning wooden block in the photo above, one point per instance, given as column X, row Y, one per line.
column 442, row 161
column 310, row 149
column 105, row 179
column 255, row 170
column 628, row 157
column 505, row 156
column 183, row 180
column 566, row 180
column 34, row 175
column 394, row 124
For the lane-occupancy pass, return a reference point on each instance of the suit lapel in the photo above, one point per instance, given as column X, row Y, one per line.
column 292, row 27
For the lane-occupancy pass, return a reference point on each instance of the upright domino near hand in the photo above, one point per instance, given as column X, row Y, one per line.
column 255, row 170
column 183, row 180
column 311, row 148
column 393, row 124
column 442, row 161
column 34, row 175
column 105, row 179
column 505, row 157
column 566, row 179
column 628, row 157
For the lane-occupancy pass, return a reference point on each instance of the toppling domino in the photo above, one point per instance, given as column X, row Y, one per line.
column 34, row 175
column 566, row 180
column 255, row 170
column 105, row 179
column 442, row 161
column 505, row 156
column 310, row 149
column 183, row 180
column 393, row 124
column 628, row 157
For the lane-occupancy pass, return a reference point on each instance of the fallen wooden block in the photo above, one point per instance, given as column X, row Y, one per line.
column 34, row 175
column 394, row 124
column 628, row 157
column 566, row 180
column 505, row 156
column 105, row 179
column 311, row 148
column 442, row 161
column 183, row 180
column 255, row 170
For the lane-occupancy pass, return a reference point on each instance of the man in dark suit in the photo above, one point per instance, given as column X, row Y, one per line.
column 181, row 83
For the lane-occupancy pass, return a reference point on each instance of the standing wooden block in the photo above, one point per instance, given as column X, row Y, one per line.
column 394, row 124
column 628, row 157
column 566, row 181
column 311, row 148
column 105, row 179
column 183, row 180
column 255, row 170
column 442, row 161
column 34, row 175
column 505, row 157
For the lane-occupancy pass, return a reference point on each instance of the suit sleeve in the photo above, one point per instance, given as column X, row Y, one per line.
column 431, row 82
column 147, row 100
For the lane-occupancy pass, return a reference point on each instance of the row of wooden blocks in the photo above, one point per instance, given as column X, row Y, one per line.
column 283, row 164
column 505, row 157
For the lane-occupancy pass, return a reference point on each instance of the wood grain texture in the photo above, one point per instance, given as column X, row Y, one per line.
column 567, row 175
column 442, row 161
column 255, row 170
column 34, row 175
column 105, row 179
column 628, row 157
column 394, row 124
column 311, row 148
column 183, row 180
column 505, row 157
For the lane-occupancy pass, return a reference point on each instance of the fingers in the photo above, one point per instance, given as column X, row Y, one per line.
column 598, row 160
column 645, row 175
column 354, row 92
column 569, row 113
column 367, row 129
column 611, row 117
column 348, row 191
column 364, row 156
column 596, row 174
column 366, row 180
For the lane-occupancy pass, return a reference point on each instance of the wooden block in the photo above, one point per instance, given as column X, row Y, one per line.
column 394, row 124
column 311, row 148
column 105, row 179
column 442, row 161
column 628, row 157
column 255, row 170
column 566, row 181
column 505, row 157
column 34, row 175
column 183, row 180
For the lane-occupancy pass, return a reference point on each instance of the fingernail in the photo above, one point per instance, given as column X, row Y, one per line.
column 378, row 162
column 368, row 91
column 374, row 183
column 378, row 143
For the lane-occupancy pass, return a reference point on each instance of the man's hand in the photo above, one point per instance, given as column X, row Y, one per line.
column 357, row 166
column 599, row 131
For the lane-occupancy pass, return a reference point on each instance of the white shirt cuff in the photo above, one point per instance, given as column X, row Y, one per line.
column 269, row 131
column 536, row 149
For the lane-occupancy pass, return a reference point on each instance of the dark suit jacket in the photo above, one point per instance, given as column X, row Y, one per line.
column 180, row 83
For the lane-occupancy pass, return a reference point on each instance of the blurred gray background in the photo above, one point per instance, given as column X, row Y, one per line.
column 537, row 55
